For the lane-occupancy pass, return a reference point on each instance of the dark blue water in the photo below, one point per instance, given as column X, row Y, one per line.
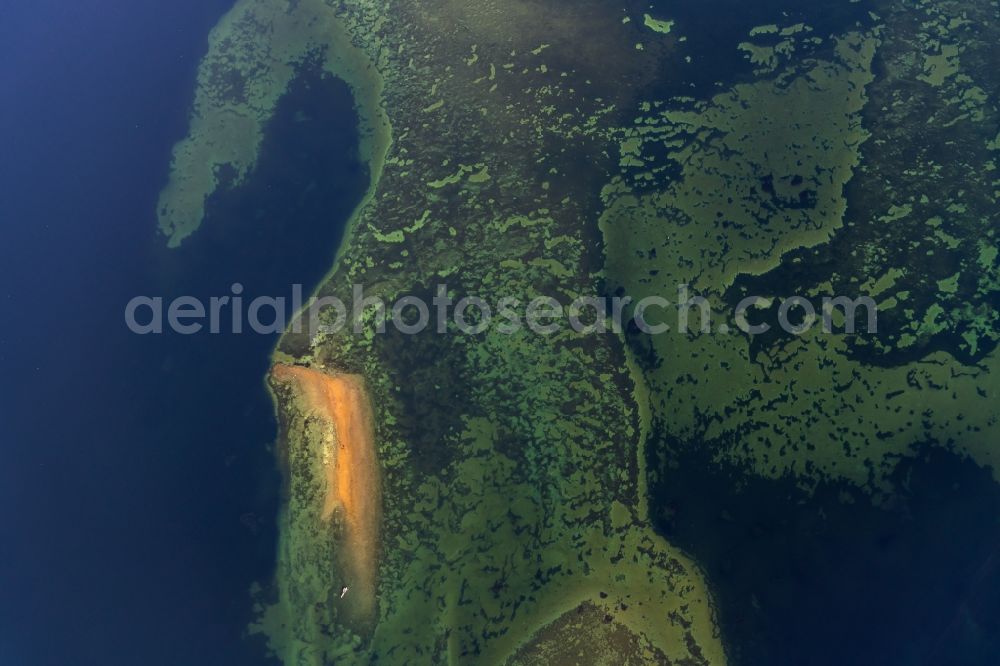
column 137, row 487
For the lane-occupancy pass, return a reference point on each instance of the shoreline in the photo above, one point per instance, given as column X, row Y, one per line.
column 352, row 501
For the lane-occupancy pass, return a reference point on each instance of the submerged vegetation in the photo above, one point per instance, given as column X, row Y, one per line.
column 522, row 149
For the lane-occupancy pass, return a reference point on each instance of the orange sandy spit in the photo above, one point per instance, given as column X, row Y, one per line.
column 352, row 473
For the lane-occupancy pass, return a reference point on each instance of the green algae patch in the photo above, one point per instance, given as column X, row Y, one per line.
column 476, row 174
column 481, row 176
column 769, row 29
column 434, row 107
column 772, row 46
column 939, row 67
column 395, row 236
column 658, row 25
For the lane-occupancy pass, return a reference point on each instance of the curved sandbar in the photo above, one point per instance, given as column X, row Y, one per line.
column 353, row 494
column 254, row 53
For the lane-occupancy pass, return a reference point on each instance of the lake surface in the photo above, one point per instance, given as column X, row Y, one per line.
column 139, row 489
